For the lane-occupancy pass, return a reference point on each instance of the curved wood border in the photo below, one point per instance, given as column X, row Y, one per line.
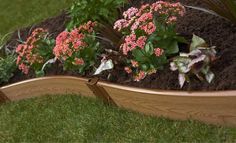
column 46, row 85
column 217, row 107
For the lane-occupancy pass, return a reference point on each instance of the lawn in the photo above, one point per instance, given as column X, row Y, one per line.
column 77, row 119
column 20, row 13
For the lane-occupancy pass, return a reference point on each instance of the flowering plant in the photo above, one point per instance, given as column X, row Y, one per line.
column 102, row 11
column 35, row 51
column 196, row 62
column 77, row 49
column 149, row 36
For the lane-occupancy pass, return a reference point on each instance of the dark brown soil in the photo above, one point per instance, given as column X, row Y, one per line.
column 216, row 31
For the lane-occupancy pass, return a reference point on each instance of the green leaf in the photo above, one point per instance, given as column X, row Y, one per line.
column 139, row 55
column 197, row 42
column 145, row 67
column 169, row 45
column 149, row 48
column 39, row 73
column 181, row 39
column 158, row 62
column 182, row 64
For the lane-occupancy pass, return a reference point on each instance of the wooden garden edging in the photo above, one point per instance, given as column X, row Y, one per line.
column 218, row 107
column 46, row 85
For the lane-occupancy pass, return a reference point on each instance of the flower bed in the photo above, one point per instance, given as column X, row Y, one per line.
column 215, row 31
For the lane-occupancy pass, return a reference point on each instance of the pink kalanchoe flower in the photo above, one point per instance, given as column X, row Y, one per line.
column 128, row 70
column 141, row 41
column 88, row 27
column 158, row 52
column 130, row 44
column 134, row 63
column 156, row 6
column 121, row 24
column 19, row 48
column 141, row 75
column 130, row 38
column 143, row 9
column 130, row 13
column 24, row 68
column 61, row 38
column 68, row 43
column 149, row 28
column 135, row 26
column 141, row 20
column 78, row 61
column 124, row 48
column 18, row 60
column 27, row 56
column 145, row 17
column 171, row 19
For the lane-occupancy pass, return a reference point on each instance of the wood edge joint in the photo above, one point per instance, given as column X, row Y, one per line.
column 100, row 92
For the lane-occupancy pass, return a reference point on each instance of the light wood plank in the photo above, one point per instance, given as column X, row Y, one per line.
column 210, row 107
column 47, row 85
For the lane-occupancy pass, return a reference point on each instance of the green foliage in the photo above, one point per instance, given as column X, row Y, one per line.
column 7, row 68
column 102, row 11
column 45, row 50
column 196, row 62
column 3, row 49
column 167, row 38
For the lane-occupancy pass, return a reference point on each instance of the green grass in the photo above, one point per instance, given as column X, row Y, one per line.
column 20, row 13
column 79, row 119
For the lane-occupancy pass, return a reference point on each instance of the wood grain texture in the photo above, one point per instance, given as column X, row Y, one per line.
column 209, row 107
column 47, row 85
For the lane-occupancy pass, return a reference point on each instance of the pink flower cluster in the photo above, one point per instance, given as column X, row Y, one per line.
column 68, row 43
column 131, row 42
column 136, row 20
column 141, row 75
column 158, row 52
column 143, row 18
column 27, row 55
column 171, row 10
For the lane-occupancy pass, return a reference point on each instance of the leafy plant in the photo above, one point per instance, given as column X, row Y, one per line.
column 3, row 50
column 7, row 68
column 33, row 53
column 102, row 11
column 78, row 49
column 150, row 36
column 222, row 8
column 196, row 62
